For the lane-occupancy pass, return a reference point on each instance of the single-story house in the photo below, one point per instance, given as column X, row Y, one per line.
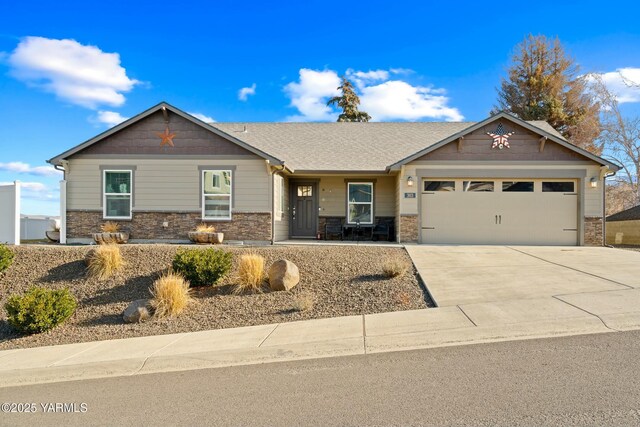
column 623, row 228
column 499, row 181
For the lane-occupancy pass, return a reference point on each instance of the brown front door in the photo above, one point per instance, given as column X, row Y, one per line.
column 304, row 212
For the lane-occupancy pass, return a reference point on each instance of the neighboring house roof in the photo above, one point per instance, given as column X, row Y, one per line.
column 630, row 214
column 341, row 147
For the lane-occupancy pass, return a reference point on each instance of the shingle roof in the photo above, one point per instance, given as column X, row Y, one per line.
column 346, row 146
column 626, row 215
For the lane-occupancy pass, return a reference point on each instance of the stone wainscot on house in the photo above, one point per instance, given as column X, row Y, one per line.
column 499, row 181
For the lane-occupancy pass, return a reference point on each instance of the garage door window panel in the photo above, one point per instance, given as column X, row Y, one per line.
column 517, row 186
column 439, row 186
column 478, row 186
column 558, row 187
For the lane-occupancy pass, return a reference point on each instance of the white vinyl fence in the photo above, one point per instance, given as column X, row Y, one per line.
column 35, row 227
column 10, row 213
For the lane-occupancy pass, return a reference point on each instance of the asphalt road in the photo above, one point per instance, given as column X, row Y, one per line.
column 591, row 380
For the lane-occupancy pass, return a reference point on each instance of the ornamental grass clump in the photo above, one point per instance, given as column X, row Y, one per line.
column 394, row 267
column 206, row 228
column 170, row 295
column 250, row 274
column 39, row 309
column 104, row 261
column 202, row 267
column 6, row 257
column 303, row 301
column 110, row 227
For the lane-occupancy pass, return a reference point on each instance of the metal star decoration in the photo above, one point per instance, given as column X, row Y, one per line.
column 166, row 136
column 500, row 138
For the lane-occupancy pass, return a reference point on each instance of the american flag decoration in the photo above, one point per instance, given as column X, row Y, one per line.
column 500, row 137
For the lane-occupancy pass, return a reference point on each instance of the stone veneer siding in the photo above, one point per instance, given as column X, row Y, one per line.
column 148, row 225
column 408, row 228
column 593, row 231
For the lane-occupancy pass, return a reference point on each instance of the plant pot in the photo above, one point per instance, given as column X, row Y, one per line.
column 205, row 237
column 53, row 235
column 119, row 237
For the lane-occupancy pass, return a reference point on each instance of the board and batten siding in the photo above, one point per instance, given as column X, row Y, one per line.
column 333, row 194
column 169, row 185
column 281, row 218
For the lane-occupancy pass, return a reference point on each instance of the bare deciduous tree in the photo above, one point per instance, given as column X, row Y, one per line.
column 621, row 140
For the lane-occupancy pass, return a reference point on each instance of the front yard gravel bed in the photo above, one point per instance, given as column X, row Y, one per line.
column 343, row 280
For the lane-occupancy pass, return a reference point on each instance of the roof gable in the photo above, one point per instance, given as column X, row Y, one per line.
column 138, row 136
column 544, row 131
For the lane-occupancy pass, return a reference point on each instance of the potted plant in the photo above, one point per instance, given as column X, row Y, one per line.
column 110, row 233
column 205, row 234
column 53, row 235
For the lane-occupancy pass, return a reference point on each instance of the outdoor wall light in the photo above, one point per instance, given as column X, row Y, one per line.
column 410, row 181
column 594, row 182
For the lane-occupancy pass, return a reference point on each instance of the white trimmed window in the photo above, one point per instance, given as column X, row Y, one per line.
column 216, row 194
column 360, row 202
column 116, row 194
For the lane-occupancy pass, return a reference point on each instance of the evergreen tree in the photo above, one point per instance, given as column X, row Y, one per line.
column 349, row 102
column 543, row 84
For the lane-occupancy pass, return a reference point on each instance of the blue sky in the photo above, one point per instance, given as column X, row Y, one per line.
column 69, row 72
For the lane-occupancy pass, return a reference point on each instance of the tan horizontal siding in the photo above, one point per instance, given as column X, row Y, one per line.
column 333, row 195
column 161, row 184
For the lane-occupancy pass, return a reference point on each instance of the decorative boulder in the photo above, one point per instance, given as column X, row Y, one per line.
column 205, row 237
column 137, row 311
column 283, row 275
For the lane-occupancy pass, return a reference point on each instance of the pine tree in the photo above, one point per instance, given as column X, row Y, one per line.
column 349, row 102
column 544, row 84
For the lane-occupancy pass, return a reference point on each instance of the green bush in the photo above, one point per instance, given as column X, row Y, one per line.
column 39, row 309
column 202, row 267
column 6, row 257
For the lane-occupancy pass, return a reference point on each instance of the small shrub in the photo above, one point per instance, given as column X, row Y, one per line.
column 104, row 261
column 250, row 273
column 394, row 267
column 171, row 294
column 206, row 228
column 6, row 257
column 39, row 309
column 303, row 301
column 202, row 267
column 110, row 227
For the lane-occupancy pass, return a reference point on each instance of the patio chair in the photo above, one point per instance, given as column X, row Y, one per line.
column 333, row 227
column 383, row 230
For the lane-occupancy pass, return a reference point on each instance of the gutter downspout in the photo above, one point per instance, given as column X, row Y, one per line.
column 63, row 202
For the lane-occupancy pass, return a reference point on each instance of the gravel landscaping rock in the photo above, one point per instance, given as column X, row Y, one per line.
column 342, row 280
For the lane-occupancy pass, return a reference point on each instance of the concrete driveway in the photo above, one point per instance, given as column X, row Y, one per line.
column 458, row 275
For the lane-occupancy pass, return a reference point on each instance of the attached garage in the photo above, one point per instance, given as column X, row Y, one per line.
column 503, row 181
column 499, row 211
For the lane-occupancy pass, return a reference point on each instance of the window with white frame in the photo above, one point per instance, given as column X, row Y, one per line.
column 360, row 202
column 116, row 194
column 216, row 194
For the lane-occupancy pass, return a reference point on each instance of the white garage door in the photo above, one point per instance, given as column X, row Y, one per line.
column 499, row 211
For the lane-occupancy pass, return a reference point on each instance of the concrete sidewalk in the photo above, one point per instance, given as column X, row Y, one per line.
column 584, row 313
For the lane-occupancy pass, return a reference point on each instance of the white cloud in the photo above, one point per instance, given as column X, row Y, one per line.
column 110, row 118
column 398, row 100
column 81, row 74
column 311, row 93
column 624, row 83
column 382, row 98
column 244, row 93
column 202, row 117
column 36, row 191
column 25, row 168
